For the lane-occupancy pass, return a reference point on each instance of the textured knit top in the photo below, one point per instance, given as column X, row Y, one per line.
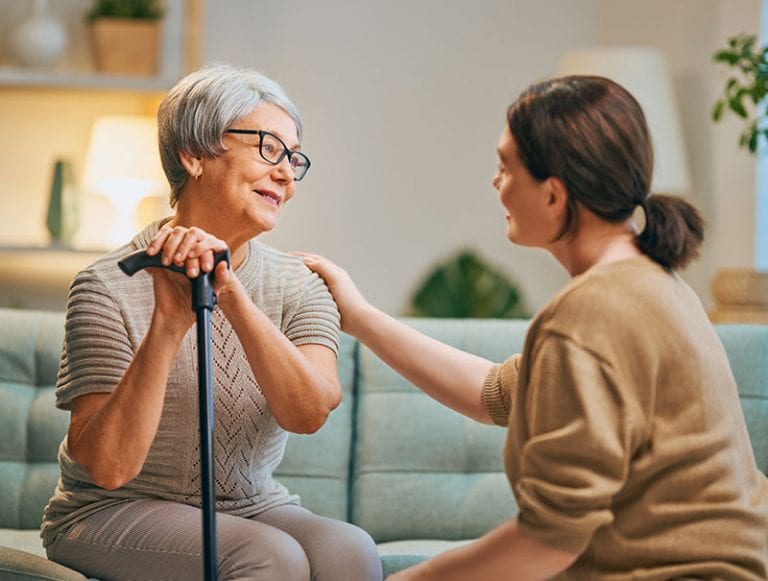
column 626, row 442
column 108, row 315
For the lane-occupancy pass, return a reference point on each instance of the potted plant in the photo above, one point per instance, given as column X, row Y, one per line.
column 741, row 294
column 126, row 35
column 746, row 88
column 465, row 286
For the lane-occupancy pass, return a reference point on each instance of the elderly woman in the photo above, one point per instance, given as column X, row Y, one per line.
column 626, row 448
column 127, row 504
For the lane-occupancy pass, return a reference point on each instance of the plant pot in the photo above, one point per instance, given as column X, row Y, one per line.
column 126, row 46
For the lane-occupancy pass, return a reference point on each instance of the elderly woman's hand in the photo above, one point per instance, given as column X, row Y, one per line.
column 192, row 249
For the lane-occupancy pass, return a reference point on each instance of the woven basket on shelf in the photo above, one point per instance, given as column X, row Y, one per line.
column 741, row 286
column 741, row 296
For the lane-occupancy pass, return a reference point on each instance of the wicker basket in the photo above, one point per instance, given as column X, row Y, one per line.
column 740, row 287
column 126, row 46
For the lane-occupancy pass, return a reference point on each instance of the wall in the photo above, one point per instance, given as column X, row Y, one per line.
column 403, row 103
column 689, row 32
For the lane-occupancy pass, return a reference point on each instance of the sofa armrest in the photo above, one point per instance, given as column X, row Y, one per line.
column 21, row 566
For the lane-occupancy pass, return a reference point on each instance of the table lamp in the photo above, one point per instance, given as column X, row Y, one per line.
column 123, row 164
column 643, row 71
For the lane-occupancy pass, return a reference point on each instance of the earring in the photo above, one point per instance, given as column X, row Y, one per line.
column 198, row 173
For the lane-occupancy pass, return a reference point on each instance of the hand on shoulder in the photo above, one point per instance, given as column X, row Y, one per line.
column 352, row 304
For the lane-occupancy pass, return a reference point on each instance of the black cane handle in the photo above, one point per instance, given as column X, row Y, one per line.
column 139, row 260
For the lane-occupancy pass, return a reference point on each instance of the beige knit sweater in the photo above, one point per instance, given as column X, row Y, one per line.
column 626, row 441
column 108, row 315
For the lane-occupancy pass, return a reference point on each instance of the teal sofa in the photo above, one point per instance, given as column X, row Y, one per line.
column 417, row 476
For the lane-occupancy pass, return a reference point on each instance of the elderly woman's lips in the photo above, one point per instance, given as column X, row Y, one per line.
column 270, row 197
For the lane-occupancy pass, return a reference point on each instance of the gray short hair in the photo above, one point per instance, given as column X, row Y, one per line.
column 205, row 103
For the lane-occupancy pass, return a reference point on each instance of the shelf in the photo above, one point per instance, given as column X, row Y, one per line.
column 43, row 79
column 178, row 51
column 38, row 277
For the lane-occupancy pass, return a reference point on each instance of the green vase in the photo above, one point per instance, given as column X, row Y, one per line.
column 63, row 214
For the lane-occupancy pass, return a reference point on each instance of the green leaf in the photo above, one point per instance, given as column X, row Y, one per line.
column 752, row 141
column 749, row 85
column 726, row 56
column 717, row 111
column 736, row 106
column 139, row 9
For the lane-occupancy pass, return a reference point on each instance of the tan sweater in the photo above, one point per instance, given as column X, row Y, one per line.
column 107, row 317
column 626, row 443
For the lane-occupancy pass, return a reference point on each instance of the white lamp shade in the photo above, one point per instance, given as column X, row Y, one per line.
column 123, row 165
column 643, row 72
column 123, row 159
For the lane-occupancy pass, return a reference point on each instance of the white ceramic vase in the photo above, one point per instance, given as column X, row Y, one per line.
column 39, row 40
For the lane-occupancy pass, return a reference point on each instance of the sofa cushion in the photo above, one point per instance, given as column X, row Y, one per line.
column 316, row 466
column 27, row 540
column 747, row 348
column 423, row 471
column 31, row 428
column 20, row 566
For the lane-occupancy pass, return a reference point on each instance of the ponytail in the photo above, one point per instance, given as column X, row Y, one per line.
column 673, row 233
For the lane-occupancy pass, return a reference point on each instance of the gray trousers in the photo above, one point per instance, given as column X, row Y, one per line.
column 145, row 540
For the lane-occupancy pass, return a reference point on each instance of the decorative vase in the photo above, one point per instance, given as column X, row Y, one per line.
column 126, row 46
column 40, row 40
column 63, row 214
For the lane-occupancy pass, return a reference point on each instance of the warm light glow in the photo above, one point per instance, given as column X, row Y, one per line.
column 123, row 164
column 643, row 72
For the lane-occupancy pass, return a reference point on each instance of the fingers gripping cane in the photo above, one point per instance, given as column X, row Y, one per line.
column 202, row 303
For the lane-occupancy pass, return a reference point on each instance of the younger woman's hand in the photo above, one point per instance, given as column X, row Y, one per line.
column 352, row 304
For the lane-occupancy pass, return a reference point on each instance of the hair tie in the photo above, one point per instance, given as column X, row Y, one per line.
column 640, row 216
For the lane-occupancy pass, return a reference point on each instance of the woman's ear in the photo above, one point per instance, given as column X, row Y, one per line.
column 557, row 201
column 191, row 163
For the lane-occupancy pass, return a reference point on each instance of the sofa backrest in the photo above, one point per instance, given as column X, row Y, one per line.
column 316, row 466
column 31, row 428
column 423, row 471
column 747, row 348
column 417, row 469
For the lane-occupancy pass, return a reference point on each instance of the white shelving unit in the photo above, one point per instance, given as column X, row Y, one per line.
column 26, row 78
column 76, row 69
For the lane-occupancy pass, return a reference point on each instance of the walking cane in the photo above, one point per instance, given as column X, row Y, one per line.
column 202, row 304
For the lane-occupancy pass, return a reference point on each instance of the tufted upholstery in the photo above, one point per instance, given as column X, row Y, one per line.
column 31, row 429
column 30, row 426
column 747, row 348
column 441, row 470
column 316, row 466
column 416, row 475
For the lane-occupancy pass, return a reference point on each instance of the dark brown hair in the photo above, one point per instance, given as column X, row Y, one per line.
column 590, row 133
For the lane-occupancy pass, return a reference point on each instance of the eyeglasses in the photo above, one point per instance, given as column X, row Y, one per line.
column 272, row 149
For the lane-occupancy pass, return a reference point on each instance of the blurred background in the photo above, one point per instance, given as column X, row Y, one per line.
column 403, row 102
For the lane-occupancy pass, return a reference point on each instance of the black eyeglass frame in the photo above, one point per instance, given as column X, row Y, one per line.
column 289, row 152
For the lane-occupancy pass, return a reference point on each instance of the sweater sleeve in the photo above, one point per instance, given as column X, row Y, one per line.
column 316, row 317
column 499, row 389
column 577, row 448
column 96, row 349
